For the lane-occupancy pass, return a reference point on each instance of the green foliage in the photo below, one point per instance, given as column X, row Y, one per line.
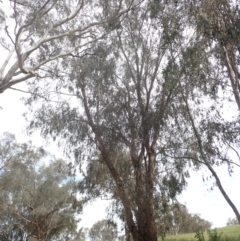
column 178, row 220
column 153, row 8
column 213, row 235
column 37, row 200
column 103, row 230
column 199, row 235
column 52, row 30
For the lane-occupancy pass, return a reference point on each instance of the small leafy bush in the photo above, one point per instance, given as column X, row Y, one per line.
column 199, row 235
column 213, row 235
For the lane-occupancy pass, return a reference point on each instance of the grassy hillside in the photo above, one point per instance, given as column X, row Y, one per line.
column 229, row 233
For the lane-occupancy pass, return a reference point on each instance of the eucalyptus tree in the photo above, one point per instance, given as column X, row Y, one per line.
column 118, row 113
column 182, row 221
column 211, row 136
column 216, row 129
column 37, row 35
column 213, row 143
column 218, row 22
column 232, row 221
column 37, row 202
column 208, row 133
column 103, row 230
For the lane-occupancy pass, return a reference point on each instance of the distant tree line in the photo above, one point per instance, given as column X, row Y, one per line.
column 232, row 221
column 179, row 220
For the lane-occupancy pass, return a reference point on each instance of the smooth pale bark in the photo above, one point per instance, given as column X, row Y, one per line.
column 20, row 70
column 233, row 75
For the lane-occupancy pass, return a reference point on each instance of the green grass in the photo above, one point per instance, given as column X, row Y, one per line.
column 229, row 233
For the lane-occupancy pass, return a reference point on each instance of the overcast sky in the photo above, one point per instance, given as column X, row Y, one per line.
column 197, row 197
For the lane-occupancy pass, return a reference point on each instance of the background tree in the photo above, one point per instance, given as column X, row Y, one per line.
column 186, row 222
column 177, row 220
column 38, row 35
column 36, row 201
column 232, row 221
column 103, row 230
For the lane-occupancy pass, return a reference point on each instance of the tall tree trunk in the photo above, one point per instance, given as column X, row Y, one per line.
column 233, row 75
column 219, row 184
column 151, row 233
column 118, row 181
column 122, row 194
column 208, row 165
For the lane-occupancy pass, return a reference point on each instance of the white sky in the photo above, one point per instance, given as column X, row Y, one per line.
column 210, row 204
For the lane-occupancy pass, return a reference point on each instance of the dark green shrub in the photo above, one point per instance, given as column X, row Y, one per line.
column 213, row 235
column 199, row 235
